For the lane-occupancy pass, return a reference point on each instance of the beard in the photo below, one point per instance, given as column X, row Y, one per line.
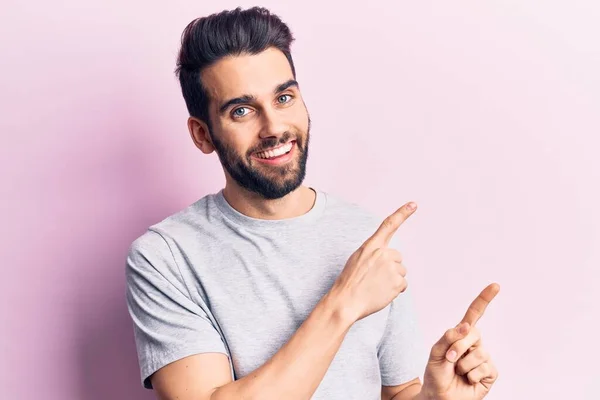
column 276, row 183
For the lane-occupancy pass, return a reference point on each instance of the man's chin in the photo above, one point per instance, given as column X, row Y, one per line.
column 274, row 188
column 277, row 194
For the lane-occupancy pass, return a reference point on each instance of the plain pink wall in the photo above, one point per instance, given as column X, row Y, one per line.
column 485, row 113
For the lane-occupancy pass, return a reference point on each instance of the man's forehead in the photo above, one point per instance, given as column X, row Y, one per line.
column 256, row 74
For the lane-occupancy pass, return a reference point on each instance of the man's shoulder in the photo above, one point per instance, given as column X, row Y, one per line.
column 340, row 206
column 353, row 220
column 349, row 218
column 183, row 221
column 153, row 252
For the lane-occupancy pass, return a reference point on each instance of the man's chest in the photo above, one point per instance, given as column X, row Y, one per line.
column 259, row 298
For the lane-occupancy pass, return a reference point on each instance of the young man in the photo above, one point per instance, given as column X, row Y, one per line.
column 270, row 289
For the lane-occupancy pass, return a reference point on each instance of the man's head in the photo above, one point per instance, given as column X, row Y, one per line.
column 239, row 84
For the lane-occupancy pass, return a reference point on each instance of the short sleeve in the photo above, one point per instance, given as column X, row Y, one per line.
column 402, row 354
column 168, row 325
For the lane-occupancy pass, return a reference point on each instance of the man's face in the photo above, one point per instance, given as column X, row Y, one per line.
column 260, row 125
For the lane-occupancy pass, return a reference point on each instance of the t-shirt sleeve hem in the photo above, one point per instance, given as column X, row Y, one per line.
column 151, row 368
column 398, row 379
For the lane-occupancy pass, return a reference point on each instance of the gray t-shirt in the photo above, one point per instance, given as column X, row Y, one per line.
column 210, row 279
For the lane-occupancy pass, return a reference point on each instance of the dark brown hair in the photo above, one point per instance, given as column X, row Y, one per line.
column 208, row 39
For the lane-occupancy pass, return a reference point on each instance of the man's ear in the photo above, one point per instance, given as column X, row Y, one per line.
column 200, row 135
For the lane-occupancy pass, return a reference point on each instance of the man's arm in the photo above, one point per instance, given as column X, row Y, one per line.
column 407, row 391
column 294, row 372
column 370, row 280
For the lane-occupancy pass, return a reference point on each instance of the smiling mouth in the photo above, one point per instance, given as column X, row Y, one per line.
column 275, row 152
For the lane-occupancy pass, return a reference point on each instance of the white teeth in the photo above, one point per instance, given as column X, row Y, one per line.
column 276, row 152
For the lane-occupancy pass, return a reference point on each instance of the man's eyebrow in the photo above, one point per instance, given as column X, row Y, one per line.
column 285, row 85
column 247, row 98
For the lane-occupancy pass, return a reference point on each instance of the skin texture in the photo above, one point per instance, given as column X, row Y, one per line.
column 265, row 115
column 268, row 119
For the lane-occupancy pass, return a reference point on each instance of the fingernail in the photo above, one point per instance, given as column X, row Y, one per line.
column 451, row 355
column 411, row 206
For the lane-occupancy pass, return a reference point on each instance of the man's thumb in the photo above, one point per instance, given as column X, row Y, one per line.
column 438, row 351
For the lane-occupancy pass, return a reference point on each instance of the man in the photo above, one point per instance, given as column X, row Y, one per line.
column 270, row 289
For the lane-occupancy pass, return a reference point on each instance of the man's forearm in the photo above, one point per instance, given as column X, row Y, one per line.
column 297, row 369
column 413, row 392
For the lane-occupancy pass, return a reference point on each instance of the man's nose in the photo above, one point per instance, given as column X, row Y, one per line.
column 274, row 124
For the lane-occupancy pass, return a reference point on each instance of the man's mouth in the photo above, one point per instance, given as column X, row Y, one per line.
column 276, row 151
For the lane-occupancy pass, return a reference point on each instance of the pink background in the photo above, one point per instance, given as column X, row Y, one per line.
column 484, row 112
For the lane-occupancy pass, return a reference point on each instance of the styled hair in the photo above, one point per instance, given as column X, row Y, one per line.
column 206, row 40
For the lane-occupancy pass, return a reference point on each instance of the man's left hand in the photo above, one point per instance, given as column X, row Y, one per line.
column 459, row 368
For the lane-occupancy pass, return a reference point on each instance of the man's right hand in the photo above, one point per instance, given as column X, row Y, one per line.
column 374, row 274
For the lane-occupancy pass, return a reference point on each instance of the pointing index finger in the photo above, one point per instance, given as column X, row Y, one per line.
column 390, row 225
column 478, row 306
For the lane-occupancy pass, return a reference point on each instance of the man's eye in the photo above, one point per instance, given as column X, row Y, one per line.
column 240, row 112
column 284, row 98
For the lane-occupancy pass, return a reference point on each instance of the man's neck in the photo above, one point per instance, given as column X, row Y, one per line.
column 251, row 204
